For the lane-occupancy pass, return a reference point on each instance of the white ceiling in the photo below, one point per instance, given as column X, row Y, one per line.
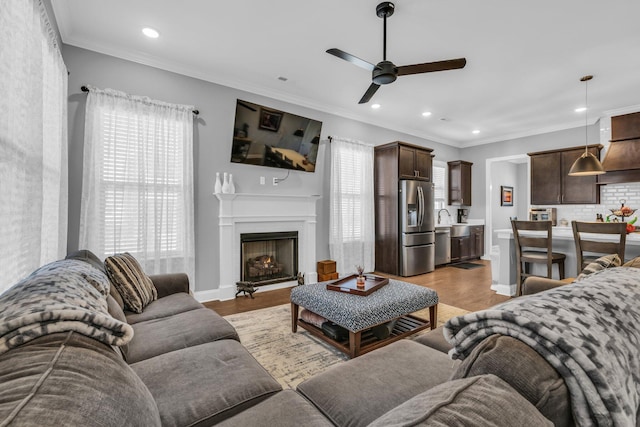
column 524, row 59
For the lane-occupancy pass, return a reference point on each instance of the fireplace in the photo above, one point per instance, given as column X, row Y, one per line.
column 267, row 258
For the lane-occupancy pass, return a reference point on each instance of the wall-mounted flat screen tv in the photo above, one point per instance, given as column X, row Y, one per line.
column 268, row 137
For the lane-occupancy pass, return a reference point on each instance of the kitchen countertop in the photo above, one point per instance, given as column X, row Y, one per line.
column 566, row 233
column 469, row 222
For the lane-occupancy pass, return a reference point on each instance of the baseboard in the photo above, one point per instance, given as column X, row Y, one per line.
column 204, row 296
column 507, row 290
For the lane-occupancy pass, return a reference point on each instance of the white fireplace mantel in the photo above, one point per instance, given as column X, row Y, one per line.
column 260, row 213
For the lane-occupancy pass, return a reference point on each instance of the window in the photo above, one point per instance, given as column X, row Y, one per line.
column 137, row 192
column 140, row 185
column 440, row 190
column 352, row 235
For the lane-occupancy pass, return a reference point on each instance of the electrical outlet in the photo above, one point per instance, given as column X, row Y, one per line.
column 262, row 181
column 275, row 181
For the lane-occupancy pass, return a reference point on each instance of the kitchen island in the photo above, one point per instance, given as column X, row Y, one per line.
column 505, row 283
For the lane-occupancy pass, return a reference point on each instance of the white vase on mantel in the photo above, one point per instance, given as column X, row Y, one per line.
column 225, row 184
column 217, row 189
column 232, row 186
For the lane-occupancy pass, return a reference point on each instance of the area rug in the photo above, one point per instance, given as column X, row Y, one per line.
column 291, row 358
column 467, row 265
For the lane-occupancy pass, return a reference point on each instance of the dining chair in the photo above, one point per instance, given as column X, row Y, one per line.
column 594, row 239
column 533, row 245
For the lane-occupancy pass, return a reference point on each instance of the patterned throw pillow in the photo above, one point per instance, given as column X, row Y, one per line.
column 635, row 263
column 134, row 286
column 601, row 263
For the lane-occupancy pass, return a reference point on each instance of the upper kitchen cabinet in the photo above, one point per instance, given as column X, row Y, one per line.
column 414, row 162
column 460, row 183
column 551, row 183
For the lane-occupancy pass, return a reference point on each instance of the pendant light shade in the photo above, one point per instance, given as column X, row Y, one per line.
column 587, row 164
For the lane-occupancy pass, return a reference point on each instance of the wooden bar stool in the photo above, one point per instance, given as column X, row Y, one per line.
column 595, row 246
column 537, row 234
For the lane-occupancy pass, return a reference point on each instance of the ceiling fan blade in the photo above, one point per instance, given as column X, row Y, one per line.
column 428, row 67
column 350, row 58
column 369, row 93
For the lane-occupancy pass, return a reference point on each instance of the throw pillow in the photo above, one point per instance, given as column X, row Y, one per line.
column 135, row 287
column 600, row 264
column 524, row 370
column 479, row 401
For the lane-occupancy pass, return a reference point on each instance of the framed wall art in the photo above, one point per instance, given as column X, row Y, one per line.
column 270, row 119
column 506, row 196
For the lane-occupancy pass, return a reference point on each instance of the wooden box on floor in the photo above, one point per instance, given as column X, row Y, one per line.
column 328, row 276
column 326, row 267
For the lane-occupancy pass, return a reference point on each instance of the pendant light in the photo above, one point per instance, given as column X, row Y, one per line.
column 587, row 164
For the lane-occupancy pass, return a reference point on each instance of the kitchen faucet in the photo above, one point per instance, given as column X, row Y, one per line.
column 447, row 214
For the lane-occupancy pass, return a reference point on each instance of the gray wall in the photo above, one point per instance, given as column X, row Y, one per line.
column 213, row 134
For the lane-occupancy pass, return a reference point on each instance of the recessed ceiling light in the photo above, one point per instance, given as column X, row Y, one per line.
column 426, row 114
column 580, row 109
column 150, row 32
column 375, row 106
column 475, row 131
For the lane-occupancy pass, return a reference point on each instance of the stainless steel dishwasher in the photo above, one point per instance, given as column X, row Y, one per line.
column 443, row 245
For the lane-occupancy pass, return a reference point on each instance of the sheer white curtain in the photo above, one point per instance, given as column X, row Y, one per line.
column 33, row 142
column 352, row 239
column 137, row 184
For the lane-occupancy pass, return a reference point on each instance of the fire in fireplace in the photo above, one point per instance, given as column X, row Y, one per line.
column 267, row 258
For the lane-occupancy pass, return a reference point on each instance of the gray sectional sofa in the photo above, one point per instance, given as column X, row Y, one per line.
column 185, row 366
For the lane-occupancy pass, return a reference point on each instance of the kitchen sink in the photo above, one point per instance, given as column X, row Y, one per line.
column 459, row 230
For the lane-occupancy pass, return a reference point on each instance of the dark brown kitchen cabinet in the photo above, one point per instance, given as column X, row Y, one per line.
column 414, row 162
column 468, row 247
column 460, row 183
column 461, row 248
column 551, row 183
column 477, row 235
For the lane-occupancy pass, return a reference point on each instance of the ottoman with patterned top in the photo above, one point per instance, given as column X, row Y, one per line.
column 358, row 314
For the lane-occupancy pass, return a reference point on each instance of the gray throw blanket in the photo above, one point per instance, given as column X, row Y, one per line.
column 588, row 331
column 65, row 295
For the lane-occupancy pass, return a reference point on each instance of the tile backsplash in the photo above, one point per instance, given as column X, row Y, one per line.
column 610, row 196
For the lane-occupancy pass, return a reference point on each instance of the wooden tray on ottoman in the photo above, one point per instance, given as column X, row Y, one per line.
column 349, row 284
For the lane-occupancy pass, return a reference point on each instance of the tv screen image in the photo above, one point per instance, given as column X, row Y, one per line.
column 265, row 136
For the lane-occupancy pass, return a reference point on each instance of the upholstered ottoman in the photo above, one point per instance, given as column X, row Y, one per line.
column 358, row 314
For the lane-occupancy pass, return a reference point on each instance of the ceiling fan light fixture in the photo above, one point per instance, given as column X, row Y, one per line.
column 587, row 164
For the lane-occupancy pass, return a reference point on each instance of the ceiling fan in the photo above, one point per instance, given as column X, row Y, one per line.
column 385, row 72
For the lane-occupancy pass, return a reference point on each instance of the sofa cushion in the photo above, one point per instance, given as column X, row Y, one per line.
column 635, row 263
column 358, row 392
column 165, row 307
column 284, row 409
column 525, row 371
column 205, row 384
column 88, row 257
column 116, row 311
column 67, row 379
column 481, row 401
column 132, row 283
column 434, row 339
column 600, row 264
column 181, row 330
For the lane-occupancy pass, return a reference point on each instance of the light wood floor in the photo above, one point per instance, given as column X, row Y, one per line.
column 467, row 289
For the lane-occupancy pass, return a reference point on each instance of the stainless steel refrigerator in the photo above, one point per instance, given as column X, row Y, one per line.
column 417, row 228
